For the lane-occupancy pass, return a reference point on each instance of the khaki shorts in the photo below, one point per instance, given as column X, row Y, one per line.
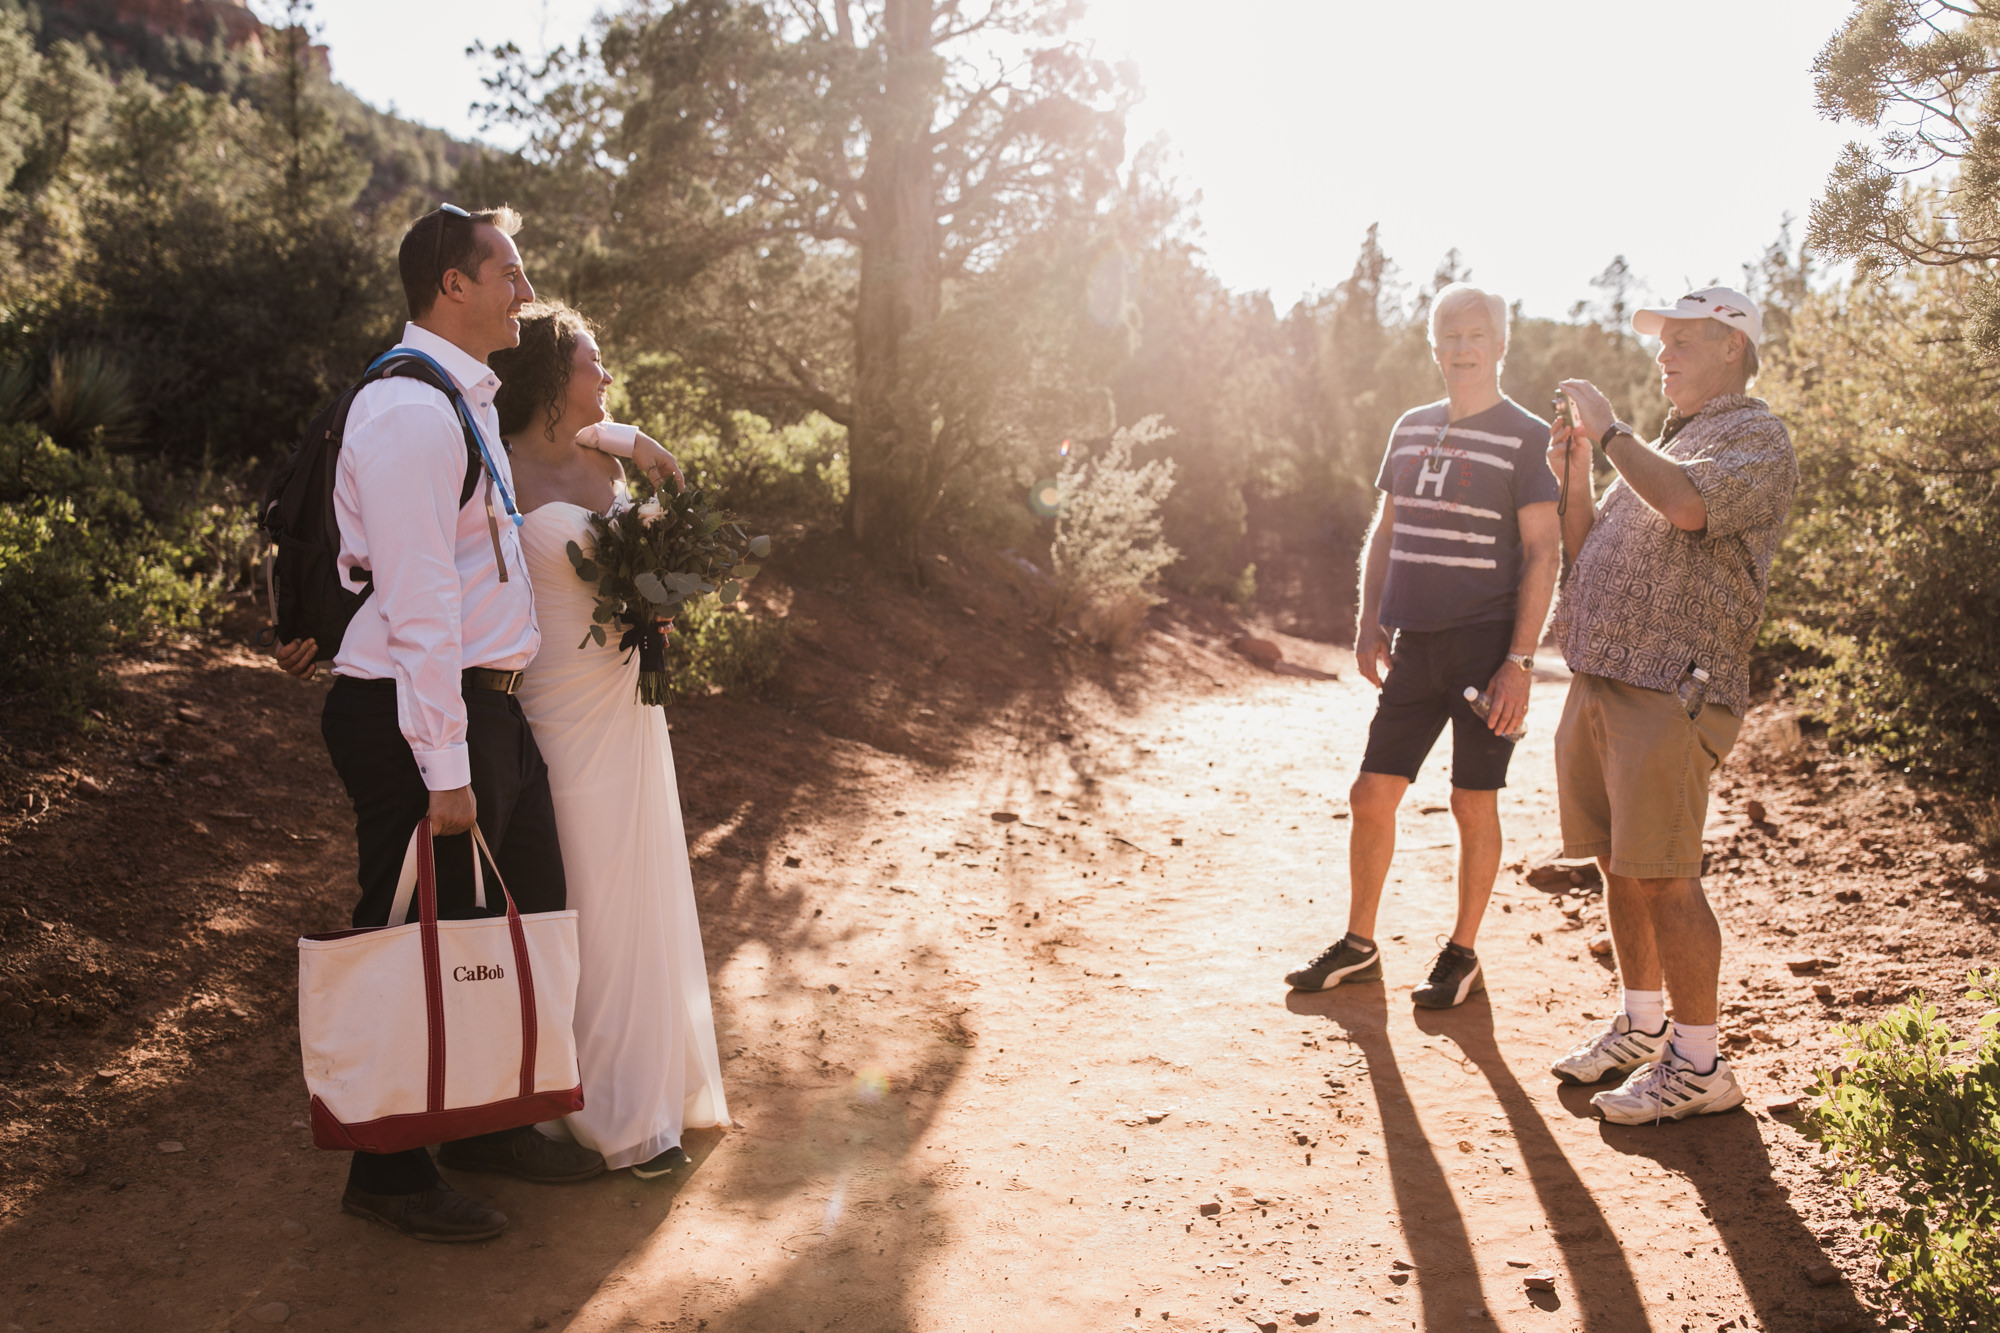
column 1632, row 776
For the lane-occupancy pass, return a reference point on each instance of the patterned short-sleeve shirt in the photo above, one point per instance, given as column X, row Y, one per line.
column 1645, row 600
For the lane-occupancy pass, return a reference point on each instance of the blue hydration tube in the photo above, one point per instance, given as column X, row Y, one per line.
column 465, row 415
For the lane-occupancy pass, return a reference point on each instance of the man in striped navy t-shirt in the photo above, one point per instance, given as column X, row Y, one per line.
column 1460, row 569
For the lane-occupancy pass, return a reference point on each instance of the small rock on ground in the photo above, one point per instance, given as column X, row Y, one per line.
column 1821, row 1273
column 276, row 1312
column 1261, row 651
column 1542, row 1281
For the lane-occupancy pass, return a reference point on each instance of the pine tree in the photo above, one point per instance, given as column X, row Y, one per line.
column 1924, row 75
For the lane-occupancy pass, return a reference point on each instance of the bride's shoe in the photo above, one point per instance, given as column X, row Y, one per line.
column 665, row 1164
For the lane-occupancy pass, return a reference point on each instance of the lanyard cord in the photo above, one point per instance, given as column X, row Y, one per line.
column 465, row 415
column 493, row 530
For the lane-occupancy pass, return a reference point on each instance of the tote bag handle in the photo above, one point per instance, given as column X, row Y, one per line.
column 418, row 881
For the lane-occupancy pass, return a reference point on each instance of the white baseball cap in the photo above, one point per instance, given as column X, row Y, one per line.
column 1723, row 304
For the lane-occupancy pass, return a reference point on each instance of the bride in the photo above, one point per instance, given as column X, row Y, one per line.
column 644, row 1031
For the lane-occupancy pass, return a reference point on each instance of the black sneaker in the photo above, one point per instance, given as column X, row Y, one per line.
column 661, row 1164
column 1343, row 960
column 1455, row 975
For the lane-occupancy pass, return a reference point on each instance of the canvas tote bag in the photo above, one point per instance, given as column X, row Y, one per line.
column 423, row 1031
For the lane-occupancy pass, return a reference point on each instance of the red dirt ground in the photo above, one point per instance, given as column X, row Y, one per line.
column 987, row 1073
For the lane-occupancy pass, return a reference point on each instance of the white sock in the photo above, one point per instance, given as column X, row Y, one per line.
column 1696, row 1045
column 1647, row 1009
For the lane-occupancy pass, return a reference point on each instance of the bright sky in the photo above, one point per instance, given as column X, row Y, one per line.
column 1678, row 135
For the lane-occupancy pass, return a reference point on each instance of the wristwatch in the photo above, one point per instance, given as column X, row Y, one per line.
column 1525, row 661
column 1616, row 428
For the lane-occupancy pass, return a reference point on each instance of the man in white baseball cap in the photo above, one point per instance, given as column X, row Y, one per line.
column 1657, row 616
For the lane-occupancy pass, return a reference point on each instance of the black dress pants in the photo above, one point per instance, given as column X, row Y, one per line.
column 510, row 784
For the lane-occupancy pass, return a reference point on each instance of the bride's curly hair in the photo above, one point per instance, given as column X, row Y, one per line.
column 535, row 375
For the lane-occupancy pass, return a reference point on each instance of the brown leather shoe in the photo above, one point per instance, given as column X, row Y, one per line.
column 440, row 1213
column 525, row 1153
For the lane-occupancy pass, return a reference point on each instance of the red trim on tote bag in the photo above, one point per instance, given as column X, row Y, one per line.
column 398, row 1133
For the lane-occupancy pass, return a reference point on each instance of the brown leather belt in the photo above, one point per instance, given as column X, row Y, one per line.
column 487, row 678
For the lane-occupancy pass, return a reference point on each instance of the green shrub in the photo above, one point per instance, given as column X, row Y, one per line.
column 752, row 466
column 96, row 549
column 1884, row 597
column 17, row 391
column 1108, row 545
column 1922, row 1110
column 1243, row 591
column 57, row 619
column 720, row 649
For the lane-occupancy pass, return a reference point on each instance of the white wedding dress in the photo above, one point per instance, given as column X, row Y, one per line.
column 645, row 1034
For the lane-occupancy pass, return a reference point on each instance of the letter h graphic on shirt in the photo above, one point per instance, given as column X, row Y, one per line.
column 1433, row 473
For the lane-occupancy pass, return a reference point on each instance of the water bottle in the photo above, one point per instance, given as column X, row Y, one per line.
column 1693, row 691
column 1482, row 707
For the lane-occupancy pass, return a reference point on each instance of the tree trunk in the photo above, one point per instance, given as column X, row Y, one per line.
column 900, row 293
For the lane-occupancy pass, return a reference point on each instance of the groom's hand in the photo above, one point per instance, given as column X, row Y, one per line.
column 452, row 811
column 296, row 658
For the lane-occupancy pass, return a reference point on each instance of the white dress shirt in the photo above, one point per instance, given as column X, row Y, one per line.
column 440, row 604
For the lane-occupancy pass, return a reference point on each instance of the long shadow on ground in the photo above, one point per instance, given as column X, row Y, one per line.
column 1606, row 1289
column 1724, row 1157
column 1433, row 1227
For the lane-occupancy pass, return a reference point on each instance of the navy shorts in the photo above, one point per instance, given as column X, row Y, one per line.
column 1426, row 684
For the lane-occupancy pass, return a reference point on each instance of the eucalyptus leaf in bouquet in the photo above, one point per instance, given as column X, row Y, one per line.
column 651, row 558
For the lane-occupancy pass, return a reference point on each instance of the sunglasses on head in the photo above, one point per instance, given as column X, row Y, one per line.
column 446, row 213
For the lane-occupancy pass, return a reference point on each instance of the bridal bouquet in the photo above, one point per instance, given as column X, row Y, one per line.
column 649, row 558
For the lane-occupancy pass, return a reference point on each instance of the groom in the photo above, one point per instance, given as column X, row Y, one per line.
column 422, row 717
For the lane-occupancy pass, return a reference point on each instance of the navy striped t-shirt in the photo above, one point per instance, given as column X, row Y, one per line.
column 1456, row 555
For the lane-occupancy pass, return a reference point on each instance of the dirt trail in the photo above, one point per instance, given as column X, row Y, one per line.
column 1000, row 1092
column 988, row 1073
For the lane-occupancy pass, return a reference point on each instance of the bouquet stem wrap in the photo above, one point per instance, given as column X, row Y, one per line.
column 644, row 634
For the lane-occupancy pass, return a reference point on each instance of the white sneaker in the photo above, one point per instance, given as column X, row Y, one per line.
column 1618, row 1050
column 1670, row 1090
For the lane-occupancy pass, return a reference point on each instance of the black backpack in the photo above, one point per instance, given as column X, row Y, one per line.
column 301, row 563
